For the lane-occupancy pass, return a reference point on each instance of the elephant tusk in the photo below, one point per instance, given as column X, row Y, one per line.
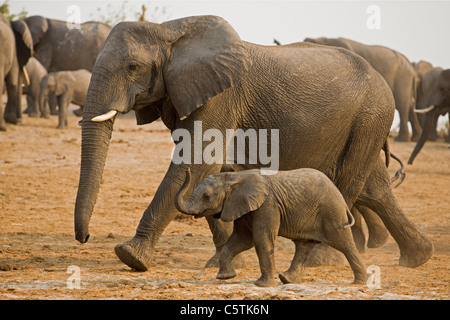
column 425, row 110
column 25, row 76
column 105, row 116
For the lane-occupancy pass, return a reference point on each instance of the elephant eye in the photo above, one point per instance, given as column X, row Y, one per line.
column 206, row 196
column 132, row 66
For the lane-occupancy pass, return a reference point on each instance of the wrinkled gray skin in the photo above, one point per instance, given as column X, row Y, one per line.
column 198, row 69
column 398, row 73
column 437, row 103
column 68, row 87
column 59, row 48
column 16, row 49
column 36, row 72
column 302, row 205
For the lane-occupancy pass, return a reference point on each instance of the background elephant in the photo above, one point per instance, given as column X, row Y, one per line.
column 437, row 101
column 398, row 73
column 197, row 70
column 16, row 49
column 59, row 48
column 68, row 87
column 36, row 72
column 428, row 75
column 302, row 205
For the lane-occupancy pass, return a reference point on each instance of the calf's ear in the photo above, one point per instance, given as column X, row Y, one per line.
column 248, row 192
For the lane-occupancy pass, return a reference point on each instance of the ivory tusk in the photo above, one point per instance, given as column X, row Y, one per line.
column 25, row 76
column 105, row 116
column 425, row 110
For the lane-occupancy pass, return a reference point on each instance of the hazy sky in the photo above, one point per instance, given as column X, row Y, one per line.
column 418, row 29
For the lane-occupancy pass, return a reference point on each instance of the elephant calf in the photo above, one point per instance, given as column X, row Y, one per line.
column 302, row 205
column 68, row 87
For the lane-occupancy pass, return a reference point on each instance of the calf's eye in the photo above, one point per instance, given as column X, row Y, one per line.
column 132, row 67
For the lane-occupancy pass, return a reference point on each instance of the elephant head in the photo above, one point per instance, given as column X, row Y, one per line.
column 54, row 83
column 227, row 196
column 24, row 43
column 438, row 103
column 146, row 67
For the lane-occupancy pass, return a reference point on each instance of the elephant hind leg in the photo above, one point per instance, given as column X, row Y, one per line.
column 415, row 248
column 295, row 272
column 378, row 234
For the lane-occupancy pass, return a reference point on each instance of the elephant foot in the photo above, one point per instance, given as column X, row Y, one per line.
column 265, row 282
column 226, row 273
column 360, row 279
column 416, row 255
column 45, row 116
column 12, row 119
column 289, row 277
column 323, row 255
column 33, row 115
column 238, row 261
column 2, row 128
column 134, row 254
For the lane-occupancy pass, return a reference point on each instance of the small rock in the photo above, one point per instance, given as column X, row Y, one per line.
column 111, row 235
column 187, row 234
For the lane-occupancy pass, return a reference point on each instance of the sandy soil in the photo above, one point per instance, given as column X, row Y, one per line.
column 39, row 169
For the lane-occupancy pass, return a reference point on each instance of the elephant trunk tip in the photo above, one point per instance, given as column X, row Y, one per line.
column 82, row 238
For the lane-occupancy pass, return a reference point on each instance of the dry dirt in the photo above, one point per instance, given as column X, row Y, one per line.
column 39, row 168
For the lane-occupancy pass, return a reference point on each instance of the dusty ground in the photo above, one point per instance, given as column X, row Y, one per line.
column 39, row 168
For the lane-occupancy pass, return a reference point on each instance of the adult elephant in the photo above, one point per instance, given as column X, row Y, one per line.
column 437, row 102
column 398, row 73
column 59, row 48
column 16, row 49
column 332, row 109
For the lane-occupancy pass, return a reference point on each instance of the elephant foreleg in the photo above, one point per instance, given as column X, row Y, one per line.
column 221, row 231
column 63, row 102
column 13, row 110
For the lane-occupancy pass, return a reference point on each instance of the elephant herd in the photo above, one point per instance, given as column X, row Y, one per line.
column 331, row 100
column 48, row 62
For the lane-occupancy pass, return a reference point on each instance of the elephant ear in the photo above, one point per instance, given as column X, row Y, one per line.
column 148, row 114
column 248, row 192
column 38, row 26
column 444, row 78
column 24, row 42
column 208, row 58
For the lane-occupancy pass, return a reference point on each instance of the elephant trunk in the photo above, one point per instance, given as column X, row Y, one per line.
column 95, row 141
column 430, row 120
column 42, row 108
column 180, row 204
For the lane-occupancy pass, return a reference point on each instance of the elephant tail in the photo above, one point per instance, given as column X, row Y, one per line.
column 351, row 221
column 400, row 174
